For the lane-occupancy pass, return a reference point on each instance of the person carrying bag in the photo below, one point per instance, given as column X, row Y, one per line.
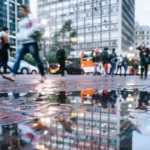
column 30, row 31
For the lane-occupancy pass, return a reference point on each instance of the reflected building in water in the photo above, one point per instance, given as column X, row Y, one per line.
column 99, row 122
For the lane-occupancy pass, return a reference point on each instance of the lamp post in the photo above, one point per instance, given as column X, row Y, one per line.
column 45, row 36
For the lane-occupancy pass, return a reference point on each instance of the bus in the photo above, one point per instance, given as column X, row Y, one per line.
column 86, row 61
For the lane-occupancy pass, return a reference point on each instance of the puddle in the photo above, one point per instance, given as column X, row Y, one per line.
column 91, row 119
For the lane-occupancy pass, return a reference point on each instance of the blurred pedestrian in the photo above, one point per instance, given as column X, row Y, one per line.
column 96, row 60
column 119, row 65
column 113, row 62
column 125, row 65
column 105, row 59
column 144, row 62
column 29, row 32
column 61, row 56
column 136, row 66
column 4, row 46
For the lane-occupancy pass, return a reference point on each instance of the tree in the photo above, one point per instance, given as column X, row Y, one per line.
column 66, row 36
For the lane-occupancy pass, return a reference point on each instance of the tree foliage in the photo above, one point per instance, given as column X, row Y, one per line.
column 59, row 38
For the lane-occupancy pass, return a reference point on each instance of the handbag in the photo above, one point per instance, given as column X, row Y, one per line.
column 38, row 31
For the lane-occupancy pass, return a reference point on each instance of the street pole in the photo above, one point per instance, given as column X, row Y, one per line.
column 44, row 40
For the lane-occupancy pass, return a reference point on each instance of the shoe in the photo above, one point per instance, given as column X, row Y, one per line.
column 8, row 77
column 43, row 78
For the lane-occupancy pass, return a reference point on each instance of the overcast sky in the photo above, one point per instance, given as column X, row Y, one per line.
column 142, row 11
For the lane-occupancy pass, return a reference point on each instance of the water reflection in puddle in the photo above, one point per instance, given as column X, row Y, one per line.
column 90, row 119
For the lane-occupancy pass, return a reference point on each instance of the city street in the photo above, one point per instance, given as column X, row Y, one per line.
column 76, row 43
column 25, row 83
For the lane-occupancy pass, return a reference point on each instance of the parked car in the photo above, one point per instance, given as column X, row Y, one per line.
column 70, row 68
column 25, row 68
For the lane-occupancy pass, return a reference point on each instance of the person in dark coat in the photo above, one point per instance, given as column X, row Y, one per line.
column 4, row 44
column 144, row 62
column 105, row 59
column 61, row 56
column 96, row 60
column 125, row 64
column 113, row 61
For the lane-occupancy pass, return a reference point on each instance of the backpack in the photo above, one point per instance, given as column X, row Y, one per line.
column 1, row 41
column 105, row 57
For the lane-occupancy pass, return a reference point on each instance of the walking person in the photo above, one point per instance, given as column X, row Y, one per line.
column 4, row 46
column 136, row 66
column 113, row 62
column 61, row 56
column 125, row 65
column 144, row 62
column 119, row 65
column 29, row 31
column 105, row 59
column 96, row 60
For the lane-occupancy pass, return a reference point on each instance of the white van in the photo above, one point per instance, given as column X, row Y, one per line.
column 25, row 68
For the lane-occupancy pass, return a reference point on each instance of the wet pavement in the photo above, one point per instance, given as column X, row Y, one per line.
column 75, row 113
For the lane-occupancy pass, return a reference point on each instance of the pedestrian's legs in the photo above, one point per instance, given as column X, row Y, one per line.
column 117, row 69
column 120, row 70
column 114, row 68
column 5, row 62
column 146, row 70
column 125, row 70
column 95, row 68
column 19, row 55
column 33, row 49
column 142, row 71
column 63, row 68
column 111, row 69
column 106, row 68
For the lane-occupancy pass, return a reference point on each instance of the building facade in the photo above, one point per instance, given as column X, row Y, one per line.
column 142, row 35
column 9, row 17
column 98, row 23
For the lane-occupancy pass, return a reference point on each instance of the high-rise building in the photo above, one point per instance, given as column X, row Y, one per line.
column 9, row 17
column 142, row 36
column 98, row 23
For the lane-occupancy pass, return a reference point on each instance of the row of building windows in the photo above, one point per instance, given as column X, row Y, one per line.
column 76, row 2
column 142, row 32
column 145, row 43
column 112, row 43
